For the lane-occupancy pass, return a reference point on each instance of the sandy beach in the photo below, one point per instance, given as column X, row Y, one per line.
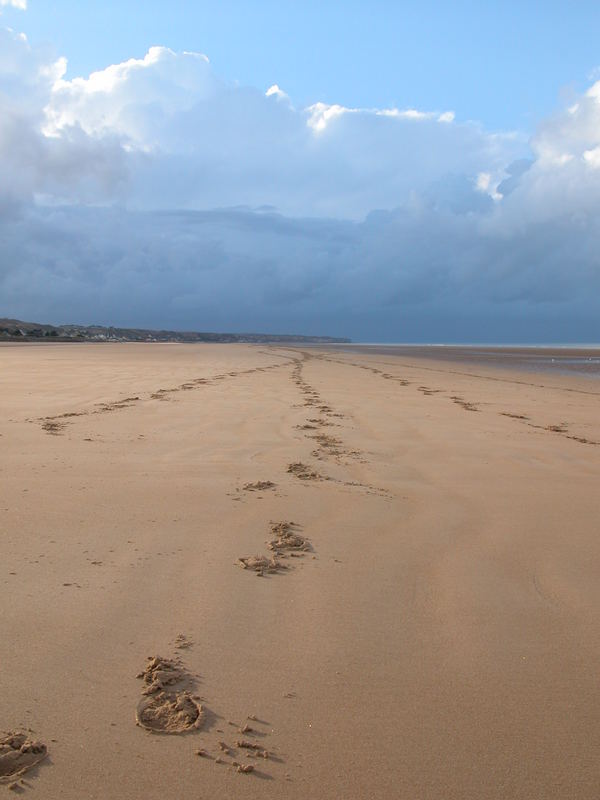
column 365, row 576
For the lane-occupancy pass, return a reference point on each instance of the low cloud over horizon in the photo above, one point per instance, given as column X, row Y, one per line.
column 153, row 193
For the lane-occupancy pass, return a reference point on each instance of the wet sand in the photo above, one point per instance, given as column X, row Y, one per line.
column 301, row 572
column 578, row 362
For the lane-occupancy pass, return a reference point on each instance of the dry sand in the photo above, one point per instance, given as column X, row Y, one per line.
column 430, row 632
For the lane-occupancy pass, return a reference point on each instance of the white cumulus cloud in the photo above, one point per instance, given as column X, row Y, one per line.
column 210, row 143
column 153, row 192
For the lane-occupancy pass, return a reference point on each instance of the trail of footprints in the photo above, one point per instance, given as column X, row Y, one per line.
column 560, row 429
column 55, row 425
column 286, row 543
column 169, row 703
column 327, row 445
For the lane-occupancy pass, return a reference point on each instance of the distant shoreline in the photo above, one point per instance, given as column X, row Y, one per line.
column 15, row 330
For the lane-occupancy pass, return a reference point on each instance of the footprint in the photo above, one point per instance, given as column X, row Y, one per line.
column 19, row 754
column 167, row 705
column 259, row 486
column 330, row 445
column 304, row 473
column 464, row 404
column 53, row 428
column 169, row 712
column 261, row 564
column 286, row 539
column 182, row 642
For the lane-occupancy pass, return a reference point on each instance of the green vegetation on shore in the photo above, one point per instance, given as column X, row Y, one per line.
column 17, row 330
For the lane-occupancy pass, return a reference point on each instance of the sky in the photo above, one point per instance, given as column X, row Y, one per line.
column 386, row 171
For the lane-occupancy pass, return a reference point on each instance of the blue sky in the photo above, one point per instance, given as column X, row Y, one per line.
column 399, row 172
column 503, row 63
